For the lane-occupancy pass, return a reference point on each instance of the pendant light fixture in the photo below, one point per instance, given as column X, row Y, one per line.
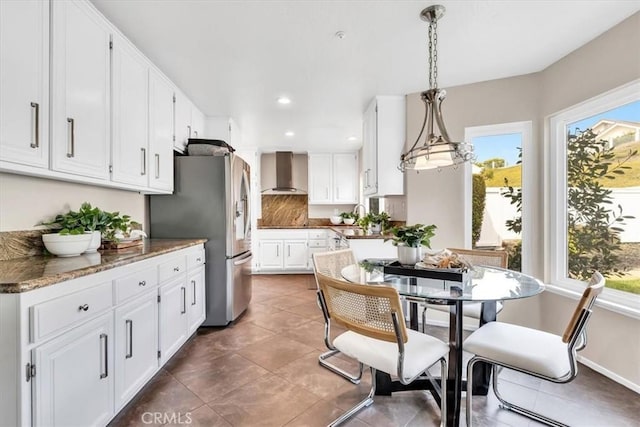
column 432, row 150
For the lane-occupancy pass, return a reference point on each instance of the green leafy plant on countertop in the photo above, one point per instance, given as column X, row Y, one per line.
column 371, row 219
column 111, row 225
column 412, row 235
column 350, row 215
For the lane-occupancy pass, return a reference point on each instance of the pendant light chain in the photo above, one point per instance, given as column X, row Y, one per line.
column 434, row 29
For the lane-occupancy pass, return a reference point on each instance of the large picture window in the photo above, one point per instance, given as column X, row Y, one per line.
column 594, row 193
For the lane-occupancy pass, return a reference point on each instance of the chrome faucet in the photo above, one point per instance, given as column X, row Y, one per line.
column 355, row 209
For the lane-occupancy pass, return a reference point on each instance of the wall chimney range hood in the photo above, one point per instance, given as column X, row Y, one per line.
column 284, row 175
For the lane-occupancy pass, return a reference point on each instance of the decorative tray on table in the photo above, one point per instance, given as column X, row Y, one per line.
column 427, row 271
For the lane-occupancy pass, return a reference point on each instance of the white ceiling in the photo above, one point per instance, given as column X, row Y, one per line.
column 234, row 58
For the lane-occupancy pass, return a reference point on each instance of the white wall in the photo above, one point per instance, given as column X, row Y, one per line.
column 609, row 61
column 26, row 201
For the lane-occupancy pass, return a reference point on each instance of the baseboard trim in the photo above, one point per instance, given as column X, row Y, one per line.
column 611, row 375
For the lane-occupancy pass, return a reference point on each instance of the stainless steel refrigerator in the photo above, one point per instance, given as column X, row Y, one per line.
column 211, row 199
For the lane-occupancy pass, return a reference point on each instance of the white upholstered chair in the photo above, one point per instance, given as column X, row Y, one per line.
column 541, row 354
column 377, row 336
column 330, row 264
column 476, row 257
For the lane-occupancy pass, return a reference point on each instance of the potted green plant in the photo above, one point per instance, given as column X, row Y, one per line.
column 349, row 218
column 375, row 223
column 410, row 239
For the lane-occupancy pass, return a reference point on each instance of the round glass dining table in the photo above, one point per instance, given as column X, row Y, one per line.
column 481, row 284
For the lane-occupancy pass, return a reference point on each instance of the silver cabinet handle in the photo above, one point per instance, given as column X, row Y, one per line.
column 289, row 251
column 35, row 119
column 184, row 299
column 143, row 169
column 198, row 259
column 277, row 250
column 129, row 324
column 195, row 132
column 71, row 138
column 84, row 307
column 189, row 131
column 176, row 269
column 157, row 165
column 193, row 300
column 142, row 283
column 105, row 372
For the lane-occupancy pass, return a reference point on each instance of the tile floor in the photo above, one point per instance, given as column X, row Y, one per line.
column 263, row 371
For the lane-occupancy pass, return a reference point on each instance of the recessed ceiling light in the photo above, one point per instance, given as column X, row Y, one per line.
column 284, row 100
column 352, row 138
column 289, row 133
column 341, row 35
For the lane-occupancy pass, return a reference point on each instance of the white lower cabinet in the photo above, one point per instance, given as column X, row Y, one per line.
column 173, row 317
column 296, row 255
column 271, row 254
column 136, row 344
column 74, row 385
column 196, row 310
column 75, row 353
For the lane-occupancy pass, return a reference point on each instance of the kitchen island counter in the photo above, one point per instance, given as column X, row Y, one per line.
column 28, row 273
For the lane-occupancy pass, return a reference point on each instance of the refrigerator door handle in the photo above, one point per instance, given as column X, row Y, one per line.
column 247, row 203
column 242, row 260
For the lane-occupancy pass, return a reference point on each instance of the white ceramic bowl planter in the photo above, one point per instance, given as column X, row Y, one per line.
column 335, row 220
column 66, row 245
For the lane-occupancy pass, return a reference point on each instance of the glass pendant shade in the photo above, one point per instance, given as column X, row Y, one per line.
column 433, row 150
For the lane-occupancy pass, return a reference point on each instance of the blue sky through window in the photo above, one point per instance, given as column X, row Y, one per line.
column 628, row 112
column 497, row 146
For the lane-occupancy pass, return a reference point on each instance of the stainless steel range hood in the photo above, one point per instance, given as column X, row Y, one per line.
column 284, row 176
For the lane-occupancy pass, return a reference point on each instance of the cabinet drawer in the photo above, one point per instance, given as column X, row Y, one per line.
column 316, row 243
column 195, row 259
column 172, row 268
column 317, row 234
column 54, row 315
column 135, row 283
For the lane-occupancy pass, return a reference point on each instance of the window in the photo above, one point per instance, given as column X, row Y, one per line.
column 501, row 152
column 594, row 195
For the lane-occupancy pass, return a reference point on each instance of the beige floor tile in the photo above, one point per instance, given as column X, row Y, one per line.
column 275, row 352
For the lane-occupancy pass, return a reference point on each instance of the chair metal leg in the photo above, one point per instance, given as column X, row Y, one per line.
column 363, row 404
column 355, row 379
column 424, row 319
column 504, row 404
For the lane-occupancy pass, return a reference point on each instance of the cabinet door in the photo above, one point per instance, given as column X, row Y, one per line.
column 320, row 171
column 74, row 376
column 197, row 123
column 130, row 113
column 271, row 255
column 196, row 299
column 183, row 121
column 160, row 159
column 370, row 150
column 136, row 346
column 24, row 82
column 345, row 178
column 296, row 255
column 80, row 90
column 173, row 317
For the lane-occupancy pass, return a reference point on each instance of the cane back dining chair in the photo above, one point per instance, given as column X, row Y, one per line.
column 330, row 264
column 489, row 258
column 533, row 352
column 376, row 336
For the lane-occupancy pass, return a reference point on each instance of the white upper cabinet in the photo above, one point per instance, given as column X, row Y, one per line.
column 225, row 129
column 24, row 82
column 345, row 178
column 383, row 141
column 130, row 143
column 80, row 90
column 320, row 178
column 333, row 178
column 197, row 123
column 183, row 121
column 160, row 159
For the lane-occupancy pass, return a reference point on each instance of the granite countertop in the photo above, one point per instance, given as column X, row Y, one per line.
column 33, row 272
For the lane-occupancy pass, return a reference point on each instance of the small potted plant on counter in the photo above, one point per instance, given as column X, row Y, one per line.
column 78, row 232
column 409, row 239
column 349, row 218
column 375, row 223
